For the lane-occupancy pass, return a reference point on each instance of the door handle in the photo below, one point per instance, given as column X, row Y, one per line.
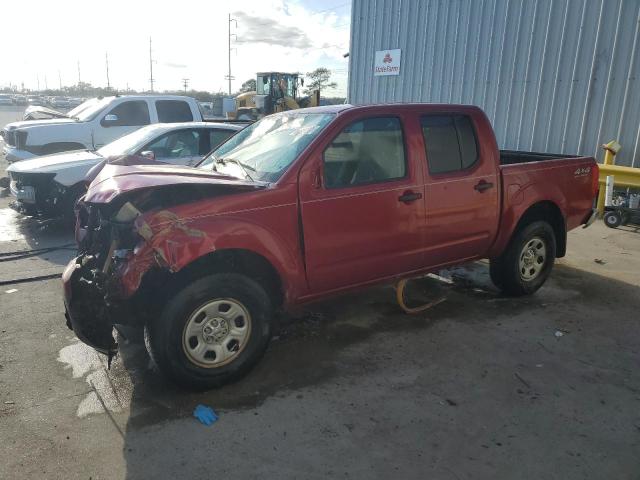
column 409, row 196
column 483, row 185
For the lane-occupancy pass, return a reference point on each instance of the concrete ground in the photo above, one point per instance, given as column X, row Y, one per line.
column 478, row 387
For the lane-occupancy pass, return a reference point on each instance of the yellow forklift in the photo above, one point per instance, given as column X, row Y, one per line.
column 275, row 92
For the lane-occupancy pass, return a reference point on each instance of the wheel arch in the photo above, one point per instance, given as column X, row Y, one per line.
column 550, row 212
column 230, row 260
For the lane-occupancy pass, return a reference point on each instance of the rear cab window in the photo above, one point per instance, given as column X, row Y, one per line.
column 366, row 151
column 450, row 143
column 173, row 111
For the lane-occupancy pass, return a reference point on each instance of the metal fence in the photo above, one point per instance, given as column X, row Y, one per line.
column 552, row 75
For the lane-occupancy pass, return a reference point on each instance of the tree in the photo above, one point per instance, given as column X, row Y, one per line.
column 319, row 79
column 248, row 86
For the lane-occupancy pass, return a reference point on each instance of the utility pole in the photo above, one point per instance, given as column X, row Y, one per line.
column 150, row 67
column 185, row 84
column 229, row 77
column 38, row 79
column 60, row 80
column 46, row 86
column 79, row 73
column 106, row 56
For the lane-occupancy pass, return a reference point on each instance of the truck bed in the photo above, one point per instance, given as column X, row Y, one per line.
column 510, row 157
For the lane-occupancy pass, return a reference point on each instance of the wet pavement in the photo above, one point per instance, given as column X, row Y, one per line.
column 479, row 386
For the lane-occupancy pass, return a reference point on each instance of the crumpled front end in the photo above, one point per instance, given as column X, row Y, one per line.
column 129, row 245
column 96, row 296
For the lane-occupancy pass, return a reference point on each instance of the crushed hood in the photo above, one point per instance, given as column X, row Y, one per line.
column 33, row 112
column 115, row 180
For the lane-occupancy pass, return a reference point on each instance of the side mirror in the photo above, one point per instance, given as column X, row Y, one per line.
column 111, row 118
column 148, row 154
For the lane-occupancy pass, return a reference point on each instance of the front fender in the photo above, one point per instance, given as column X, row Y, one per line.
column 175, row 242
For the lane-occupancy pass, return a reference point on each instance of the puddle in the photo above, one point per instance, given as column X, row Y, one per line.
column 9, row 225
column 85, row 362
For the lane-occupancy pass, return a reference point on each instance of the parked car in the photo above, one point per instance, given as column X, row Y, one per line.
column 74, row 102
column 95, row 123
column 5, row 99
column 51, row 184
column 303, row 205
column 59, row 102
column 35, row 100
column 19, row 100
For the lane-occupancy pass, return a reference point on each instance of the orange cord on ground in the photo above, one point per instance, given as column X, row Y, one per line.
column 411, row 310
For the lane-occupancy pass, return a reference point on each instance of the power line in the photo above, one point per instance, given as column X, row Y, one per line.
column 273, row 21
column 332, row 8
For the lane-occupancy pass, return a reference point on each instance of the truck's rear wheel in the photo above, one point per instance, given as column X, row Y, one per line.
column 212, row 332
column 613, row 219
column 527, row 262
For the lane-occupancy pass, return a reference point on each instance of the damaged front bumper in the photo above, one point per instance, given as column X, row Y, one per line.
column 85, row 309
column 100, row 282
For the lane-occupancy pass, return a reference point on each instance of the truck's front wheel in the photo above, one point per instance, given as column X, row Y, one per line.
column 212, row 332
column 527, row 262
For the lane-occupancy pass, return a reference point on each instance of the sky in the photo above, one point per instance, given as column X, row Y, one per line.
column 47, row 39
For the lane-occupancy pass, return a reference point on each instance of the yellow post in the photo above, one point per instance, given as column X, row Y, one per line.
column 610, row 150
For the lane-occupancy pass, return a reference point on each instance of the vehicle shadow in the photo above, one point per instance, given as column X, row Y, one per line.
column 306, row 346
column 631, row 228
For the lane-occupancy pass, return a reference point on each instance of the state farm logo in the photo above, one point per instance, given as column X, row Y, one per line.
column 387, row 58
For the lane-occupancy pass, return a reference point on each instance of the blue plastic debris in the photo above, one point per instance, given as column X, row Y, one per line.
column 205, row 414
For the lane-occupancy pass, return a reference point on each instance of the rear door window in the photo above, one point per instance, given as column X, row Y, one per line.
column 130, row 114
column 173, row 111
column 367, row 151
column 450, row 143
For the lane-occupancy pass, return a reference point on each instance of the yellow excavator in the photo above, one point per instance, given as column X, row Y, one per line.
column 275, row 92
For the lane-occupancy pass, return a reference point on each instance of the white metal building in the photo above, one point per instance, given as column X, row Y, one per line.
column 556, row 76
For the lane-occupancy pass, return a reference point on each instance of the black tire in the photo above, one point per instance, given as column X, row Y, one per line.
column 164, row 336
column 612, row 219
column 505, row 270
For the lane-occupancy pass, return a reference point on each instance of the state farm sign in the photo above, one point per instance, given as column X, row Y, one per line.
column 387, row 62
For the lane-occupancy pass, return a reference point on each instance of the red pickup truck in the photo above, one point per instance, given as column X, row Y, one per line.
column 303, row 205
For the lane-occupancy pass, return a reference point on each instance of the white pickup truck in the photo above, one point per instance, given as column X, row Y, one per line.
column 95, row 123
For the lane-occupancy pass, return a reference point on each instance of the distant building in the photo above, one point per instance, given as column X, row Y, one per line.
column 552, row 75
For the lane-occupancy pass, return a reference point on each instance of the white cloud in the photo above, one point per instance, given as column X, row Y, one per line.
column 189, row 40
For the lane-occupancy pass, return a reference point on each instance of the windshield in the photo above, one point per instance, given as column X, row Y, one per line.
column 129, row 144
column 89, row 109
column 266, row 148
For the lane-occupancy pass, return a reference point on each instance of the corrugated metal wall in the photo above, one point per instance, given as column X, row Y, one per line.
column 552, row 75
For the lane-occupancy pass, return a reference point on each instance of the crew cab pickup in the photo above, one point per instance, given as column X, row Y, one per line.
column 303, row 205
column 94, row 124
